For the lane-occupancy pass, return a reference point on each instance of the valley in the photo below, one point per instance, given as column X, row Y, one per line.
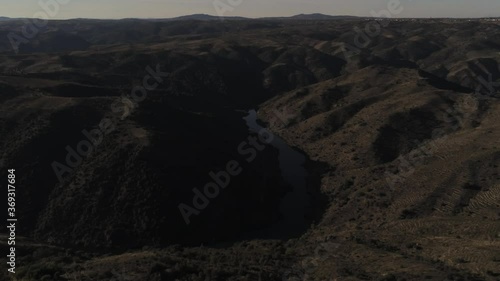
column 376, row 165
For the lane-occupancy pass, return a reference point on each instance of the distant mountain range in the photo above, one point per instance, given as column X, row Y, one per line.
column 318, row 16
column 205, row 17
column 315, row 16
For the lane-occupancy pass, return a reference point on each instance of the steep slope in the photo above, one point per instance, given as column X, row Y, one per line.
column 402, row 136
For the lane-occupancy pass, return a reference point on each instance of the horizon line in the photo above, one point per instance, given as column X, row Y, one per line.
column 250, row 18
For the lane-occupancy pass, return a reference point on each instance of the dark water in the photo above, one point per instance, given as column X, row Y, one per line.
column 294, row 204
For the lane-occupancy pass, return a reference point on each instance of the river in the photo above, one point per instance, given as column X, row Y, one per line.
column 294, row 204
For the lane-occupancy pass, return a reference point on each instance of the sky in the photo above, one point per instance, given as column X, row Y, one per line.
column 113, row 9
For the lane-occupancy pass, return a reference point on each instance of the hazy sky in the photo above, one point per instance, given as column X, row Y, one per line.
column 251, row 8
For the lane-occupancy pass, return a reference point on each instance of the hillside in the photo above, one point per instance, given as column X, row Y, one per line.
column 400, row 135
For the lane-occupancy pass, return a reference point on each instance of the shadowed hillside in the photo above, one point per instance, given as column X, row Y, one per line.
column 400, row 135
